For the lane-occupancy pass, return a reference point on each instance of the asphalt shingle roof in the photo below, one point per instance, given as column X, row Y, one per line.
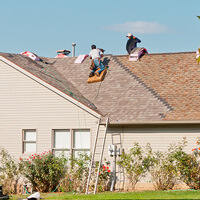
column 174, row 78
column 156, row 88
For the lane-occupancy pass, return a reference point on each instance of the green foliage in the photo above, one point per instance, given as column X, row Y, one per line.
column 188, row 167
column 10, row 172
column 104, row 177
column 164, row 172
column 136, row 163
column 44, row 170
column 76, row 174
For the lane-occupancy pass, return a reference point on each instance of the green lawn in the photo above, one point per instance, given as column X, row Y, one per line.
column 181, row 194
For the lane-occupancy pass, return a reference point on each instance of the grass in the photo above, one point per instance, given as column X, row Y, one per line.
column 174, row 194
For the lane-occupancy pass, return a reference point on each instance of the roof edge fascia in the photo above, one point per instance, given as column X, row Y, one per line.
column 52, row 88
column 153, row 122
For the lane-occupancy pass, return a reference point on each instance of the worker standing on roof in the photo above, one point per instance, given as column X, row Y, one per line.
column 96, row 56
column 131, row 43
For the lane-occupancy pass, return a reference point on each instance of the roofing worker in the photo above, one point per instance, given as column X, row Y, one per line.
column 96, row 55
column 131, row 43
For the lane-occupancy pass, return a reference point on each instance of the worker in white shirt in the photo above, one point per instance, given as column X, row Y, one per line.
column 96, row 55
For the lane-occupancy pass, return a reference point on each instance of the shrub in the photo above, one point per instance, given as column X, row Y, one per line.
column 164, row 171
column 136, row 163
column 44, row 170
column 10, row 172
column 105, row 175
column 188, row 167
column 76, row 174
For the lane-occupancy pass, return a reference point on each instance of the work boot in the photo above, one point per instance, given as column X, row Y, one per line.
column 91, row 74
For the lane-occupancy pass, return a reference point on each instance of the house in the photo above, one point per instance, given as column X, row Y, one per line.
column 48, row 104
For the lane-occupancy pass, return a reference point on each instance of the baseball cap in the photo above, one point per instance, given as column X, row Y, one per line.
column 129, row 35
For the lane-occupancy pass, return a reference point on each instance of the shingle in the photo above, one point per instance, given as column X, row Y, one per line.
column 175, row 78
column 158, row 87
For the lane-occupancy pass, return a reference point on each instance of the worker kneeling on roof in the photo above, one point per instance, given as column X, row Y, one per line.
column 96, row 55
column 131, row 43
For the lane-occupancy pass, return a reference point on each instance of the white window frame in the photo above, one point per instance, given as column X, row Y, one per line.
column 24, row 141
column 72, row 148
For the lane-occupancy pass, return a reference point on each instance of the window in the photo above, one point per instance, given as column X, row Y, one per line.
column 29, row 141
column 62, row 142
column 81, row 141
column 71, row 141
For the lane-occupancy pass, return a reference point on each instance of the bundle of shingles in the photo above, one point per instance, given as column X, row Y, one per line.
column 137, row 53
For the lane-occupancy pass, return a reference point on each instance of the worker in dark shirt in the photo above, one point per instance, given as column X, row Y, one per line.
column 131, row 43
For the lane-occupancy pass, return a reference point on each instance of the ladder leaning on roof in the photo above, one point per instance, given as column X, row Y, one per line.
column 95, row 163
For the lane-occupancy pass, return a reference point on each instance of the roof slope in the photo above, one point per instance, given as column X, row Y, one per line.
column 120, row 96
column 156, row 88
column 174, row 78
column 50, row 75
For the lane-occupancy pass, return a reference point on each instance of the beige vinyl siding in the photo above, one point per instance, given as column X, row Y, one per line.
column 158, row 136
column 26, row 104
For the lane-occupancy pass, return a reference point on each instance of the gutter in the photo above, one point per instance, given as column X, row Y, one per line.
column 152, row 122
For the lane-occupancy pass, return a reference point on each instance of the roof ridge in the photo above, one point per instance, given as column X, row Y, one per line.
column 149, row 54
column 145, row 85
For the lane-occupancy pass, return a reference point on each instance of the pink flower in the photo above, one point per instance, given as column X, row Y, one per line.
column 107, row 167
column 33, row 157
column 108, row 170
column 104, row 167
column 20, row 158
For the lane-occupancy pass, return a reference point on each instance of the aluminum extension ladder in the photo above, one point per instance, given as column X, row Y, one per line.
column 95, row 163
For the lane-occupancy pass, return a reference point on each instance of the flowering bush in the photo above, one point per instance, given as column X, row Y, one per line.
column 44, row 170
column 188, row 167
column 104, row 178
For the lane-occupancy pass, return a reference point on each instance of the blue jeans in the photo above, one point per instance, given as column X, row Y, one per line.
column 98, row 64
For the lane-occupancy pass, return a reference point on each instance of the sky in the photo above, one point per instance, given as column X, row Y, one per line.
column 44, row 26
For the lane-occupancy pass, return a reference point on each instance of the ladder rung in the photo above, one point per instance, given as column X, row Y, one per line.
column 102, row 138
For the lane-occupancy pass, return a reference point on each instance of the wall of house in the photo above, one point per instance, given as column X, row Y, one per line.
column 26, row 104
column 159, row 136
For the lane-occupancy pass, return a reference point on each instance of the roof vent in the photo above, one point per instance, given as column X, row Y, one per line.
column 62, row 53
column 73, row 49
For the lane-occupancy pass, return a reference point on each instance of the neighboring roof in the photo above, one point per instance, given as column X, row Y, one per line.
column 158, row 87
